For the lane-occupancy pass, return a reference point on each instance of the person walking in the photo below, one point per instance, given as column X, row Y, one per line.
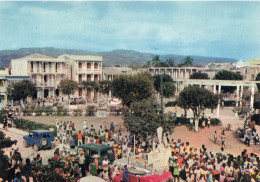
column 248, row 138
column 215, row 137
column 223, row 139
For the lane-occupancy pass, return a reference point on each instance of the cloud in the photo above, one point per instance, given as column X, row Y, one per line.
column 195, row 28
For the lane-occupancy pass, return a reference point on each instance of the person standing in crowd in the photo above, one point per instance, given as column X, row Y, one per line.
column 171, row 163
column 79, row 135
column 72, row 143
column 248, row 138
column 27, row 170
column 82, row 163
column 125, row 174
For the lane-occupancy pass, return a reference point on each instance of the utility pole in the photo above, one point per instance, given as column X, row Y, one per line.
column 161, row 90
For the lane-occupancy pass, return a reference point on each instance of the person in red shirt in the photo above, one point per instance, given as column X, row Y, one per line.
column 179, row 160
column 109, row 134
column 80, row 135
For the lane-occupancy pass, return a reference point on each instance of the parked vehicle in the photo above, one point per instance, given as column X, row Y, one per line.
column 101, row 150
column 39, row 139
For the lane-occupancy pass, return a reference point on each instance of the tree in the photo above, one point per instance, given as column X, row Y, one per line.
column 228, row 75
column 168, row 85
column 144, row 117
column 4, row 160
column 87, row 86
column 132, row 88
column 169, row 63
column 197, row 99
column 199, row 75
column 21, row 90
column 188, row 61
column 157, row 62
column 67, row 86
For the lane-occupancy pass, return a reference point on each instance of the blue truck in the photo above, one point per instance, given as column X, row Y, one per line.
column 39, row 139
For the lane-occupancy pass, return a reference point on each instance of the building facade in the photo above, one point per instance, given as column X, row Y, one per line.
column 47, row 72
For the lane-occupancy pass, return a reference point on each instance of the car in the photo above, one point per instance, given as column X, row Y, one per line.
column 39, row 139
column 99, row 149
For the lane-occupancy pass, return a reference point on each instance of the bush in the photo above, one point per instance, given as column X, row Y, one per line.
column 31, row 125
column 215, row 121
column 77, row 112
column 61, row 111
column 27, row 112
column 171, row 104
column 49, row 111
column 182, row 121
column 38, row 111
column 90, row 111
column 186, row 121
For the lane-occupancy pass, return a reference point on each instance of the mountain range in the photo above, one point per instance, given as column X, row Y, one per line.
column 111, row 58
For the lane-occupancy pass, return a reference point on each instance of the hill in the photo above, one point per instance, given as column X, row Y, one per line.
column 111, row 58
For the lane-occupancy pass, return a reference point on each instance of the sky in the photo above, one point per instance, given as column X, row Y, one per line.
column 218, row 29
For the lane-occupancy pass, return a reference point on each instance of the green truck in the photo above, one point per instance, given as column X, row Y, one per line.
column 101, row 150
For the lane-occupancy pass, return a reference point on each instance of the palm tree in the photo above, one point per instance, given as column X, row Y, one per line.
column 169, row 62
column 156, row 62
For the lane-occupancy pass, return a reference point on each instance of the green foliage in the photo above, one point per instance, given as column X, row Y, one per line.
column 143, row 118
column 171, row 104
column 47, row 110
column 31, row 125
column 68, row 86
column 188, row 61
column 168, row 85
column 199, row 75
column 77, row 112
column 104, row 86
column 228, row 75
column 90, row 111
column 197, row 99
column 132, row 88
column 61, row 111
column 4, row 160
column 22, row 89
column 157, row 62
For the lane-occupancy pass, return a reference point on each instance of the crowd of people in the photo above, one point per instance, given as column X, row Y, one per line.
column 9, row 115
column 200, row 165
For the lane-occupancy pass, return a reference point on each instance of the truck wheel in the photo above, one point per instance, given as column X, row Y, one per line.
column 35, row 147
column 25, row 144
column 43, row 142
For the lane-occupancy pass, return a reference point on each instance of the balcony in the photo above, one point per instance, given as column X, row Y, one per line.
column 88, row 71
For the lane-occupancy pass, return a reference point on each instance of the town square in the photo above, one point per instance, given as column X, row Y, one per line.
column 129, row 91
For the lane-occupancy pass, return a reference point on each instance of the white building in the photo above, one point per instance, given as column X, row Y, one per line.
column 47, row 72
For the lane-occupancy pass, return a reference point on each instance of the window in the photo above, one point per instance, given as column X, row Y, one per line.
column 89, row 65
column 96, row 66
column 80, row 65
column 46, row 136
column 35, row 135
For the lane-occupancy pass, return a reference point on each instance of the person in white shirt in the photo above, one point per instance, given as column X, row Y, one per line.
column 85, row 124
